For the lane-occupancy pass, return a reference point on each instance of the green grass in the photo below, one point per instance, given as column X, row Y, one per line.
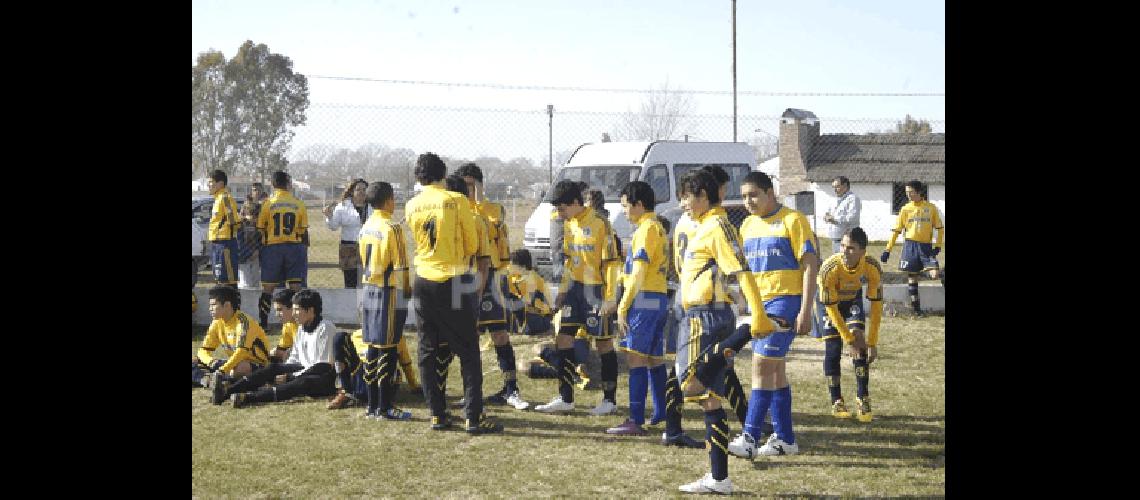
column 300, row 449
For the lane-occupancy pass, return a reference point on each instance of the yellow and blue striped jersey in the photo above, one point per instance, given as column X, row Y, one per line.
column 283, row 218
column 288, row 333
column 775, row 246
column 592, row 255
column 919, row 221
column 647, row 263
column 383, row 253
column 444, row 231
column 500, row 241
column 711, row 251
column 838, row 284
column 238, row 339
column 224, row 218
column 529, row 287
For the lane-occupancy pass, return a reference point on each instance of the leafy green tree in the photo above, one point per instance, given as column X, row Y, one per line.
column 243, row 110
column 272, row 98
column 216, row 135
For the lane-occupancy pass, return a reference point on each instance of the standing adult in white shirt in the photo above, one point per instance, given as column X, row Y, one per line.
column 349, row 216
column 844, row 215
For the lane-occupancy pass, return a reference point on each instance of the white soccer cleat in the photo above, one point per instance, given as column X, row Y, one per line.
column 708, row 485
column 606, row 407
column 776, row 446
column 743, row 446
column 555, row 405
column 517, row 401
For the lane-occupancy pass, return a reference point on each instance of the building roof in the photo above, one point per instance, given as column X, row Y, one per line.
column 878, row 158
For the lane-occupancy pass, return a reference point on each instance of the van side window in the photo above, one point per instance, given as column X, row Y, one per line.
column 658, row 178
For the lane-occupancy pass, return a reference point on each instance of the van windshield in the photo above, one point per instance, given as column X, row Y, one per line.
column 736, row 173
column 607, row 179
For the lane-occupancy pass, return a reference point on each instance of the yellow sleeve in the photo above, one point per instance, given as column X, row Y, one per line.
column 538, row 295
column 263, row 222
column 729, row 254
column 633, row 285
column 484, row 237
column 611, row 261
column 242, row 349
column 468, row 232
column 302, row 218
column 899, row 226
column 399, row 255
column 875, row 297
column 761, row 324
column 213, row 339
column 288, row 333
column 937, row 225
column 803, row 239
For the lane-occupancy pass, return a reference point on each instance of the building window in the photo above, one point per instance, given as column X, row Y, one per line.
column 898, row 197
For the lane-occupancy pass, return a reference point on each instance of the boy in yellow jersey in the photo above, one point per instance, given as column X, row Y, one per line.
column 385, row 303
column 783, row 257
column 223, row 230
column 839, row 315
column 587, row 295
column 528, row 295
column 493, row 317
column 283, row 306
column 446, row 237
column 283, row 223
column 679, row 332
column 643, row 308
column 308, row 370
column 919, row 218
column 713, row 268
column 243, row 346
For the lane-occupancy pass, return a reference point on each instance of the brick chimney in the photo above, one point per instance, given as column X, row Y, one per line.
column 798, row 130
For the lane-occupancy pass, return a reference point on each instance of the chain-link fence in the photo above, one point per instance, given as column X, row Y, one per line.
column 516, row 148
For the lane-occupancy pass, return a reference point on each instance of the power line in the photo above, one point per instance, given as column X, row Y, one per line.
column 634, row 91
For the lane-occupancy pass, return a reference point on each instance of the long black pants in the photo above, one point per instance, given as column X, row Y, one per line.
column 442, row 319
column 318, row 381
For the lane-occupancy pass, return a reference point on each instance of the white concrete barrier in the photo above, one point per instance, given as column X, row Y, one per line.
column 341, row 305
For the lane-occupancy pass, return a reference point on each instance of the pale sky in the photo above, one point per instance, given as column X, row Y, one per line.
column 808, row 46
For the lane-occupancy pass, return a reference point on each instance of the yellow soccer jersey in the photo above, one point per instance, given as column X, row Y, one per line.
column 592, row 256
column 647, row 263
column 239, row 339
column 383, row 252
column 486, row 248
column 682, row 233
column 919, row 220
column 500, row 241
column 775, row 247
column 837, row 284
column 224, row 218
column 283, row 219
column 531, row 289
column 712, row 250
column 288, row 333
column 444, row 231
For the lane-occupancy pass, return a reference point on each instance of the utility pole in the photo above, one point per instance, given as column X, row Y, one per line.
column 550, row 140
column 733, row 70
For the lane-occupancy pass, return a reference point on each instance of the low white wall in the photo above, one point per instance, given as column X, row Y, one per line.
column 341, row 305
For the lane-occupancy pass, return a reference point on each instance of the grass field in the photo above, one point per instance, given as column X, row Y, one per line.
column 300, row 449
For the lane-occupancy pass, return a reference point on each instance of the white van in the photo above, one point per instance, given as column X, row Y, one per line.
column 608, row 166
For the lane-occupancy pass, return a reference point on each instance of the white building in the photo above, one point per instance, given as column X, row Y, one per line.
column 877, row 165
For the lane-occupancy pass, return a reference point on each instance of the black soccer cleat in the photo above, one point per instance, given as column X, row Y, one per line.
column 484, row 426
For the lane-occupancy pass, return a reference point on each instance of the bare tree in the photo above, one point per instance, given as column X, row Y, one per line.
column 663, row 115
